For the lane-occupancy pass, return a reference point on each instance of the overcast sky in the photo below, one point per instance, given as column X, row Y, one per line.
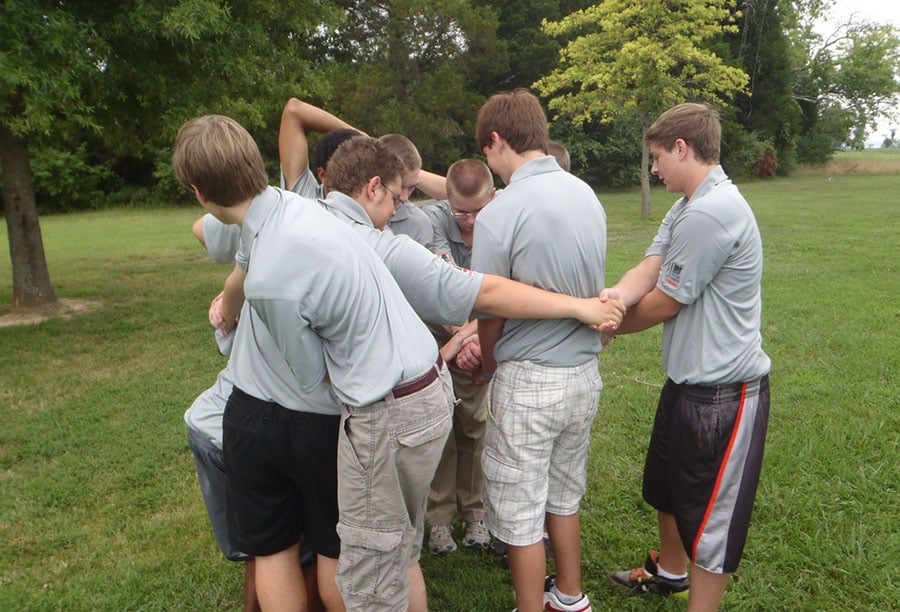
column 879, row 11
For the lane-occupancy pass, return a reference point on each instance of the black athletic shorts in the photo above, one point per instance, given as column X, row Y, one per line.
column 282, row 476
column 703, row 466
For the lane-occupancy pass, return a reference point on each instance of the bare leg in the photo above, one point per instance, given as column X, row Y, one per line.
column 328, row 590
column 706, row 590
column 311, row 581
column 418, row 600
column 279, row 581
column 565, row 540
column 528, row 565
column 251, row 601
column 672, row 557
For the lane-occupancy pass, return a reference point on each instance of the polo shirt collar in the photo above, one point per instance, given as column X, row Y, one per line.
column 349, row 207
column 536, row 166
column 713, row 178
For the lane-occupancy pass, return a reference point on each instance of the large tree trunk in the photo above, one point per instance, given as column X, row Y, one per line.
column 32, row 289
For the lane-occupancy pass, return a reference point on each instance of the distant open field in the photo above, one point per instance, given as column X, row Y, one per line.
column 100, row 507
column 858, row 163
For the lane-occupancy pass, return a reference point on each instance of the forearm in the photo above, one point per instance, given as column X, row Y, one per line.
column 509, row 299
column 638, row 282
column 233, row 297
column 489, row 332
column 434, row 185
column 654, row 308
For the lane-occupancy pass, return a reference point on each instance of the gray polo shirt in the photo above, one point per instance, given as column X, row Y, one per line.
column 546, row 229
column 439, row 292
column 448, row 240
column 711, row 262
column 307, row 185
column 409, row 220
column 223, row 241
column 327, row 300
column 255, row 365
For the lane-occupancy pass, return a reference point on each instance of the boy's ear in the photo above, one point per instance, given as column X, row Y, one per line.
column 197, row 194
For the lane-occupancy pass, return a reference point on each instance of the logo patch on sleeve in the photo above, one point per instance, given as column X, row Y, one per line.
column 673, row 275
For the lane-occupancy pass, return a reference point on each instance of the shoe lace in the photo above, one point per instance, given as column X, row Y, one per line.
column 639, row 574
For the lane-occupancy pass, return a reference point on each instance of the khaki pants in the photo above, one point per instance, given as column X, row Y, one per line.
column 459, row 481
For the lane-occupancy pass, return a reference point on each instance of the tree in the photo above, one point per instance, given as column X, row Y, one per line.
column 632, row 59
column 411, row 66
column 847, row 79
column 47, row 58
column 129, row 74
column 768, row 110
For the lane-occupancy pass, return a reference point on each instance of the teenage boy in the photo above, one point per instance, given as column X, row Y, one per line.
column 408, row 218
column 546, row 228
column 701, row 278
column 204, row 431
column 459, row 482
column 362, row 192
column 333, row 309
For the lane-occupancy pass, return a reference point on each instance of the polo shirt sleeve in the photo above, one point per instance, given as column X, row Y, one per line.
column 700, row 245
column 440, row 244
column 222, row 241
column 439, row 292
column 294, row 336
column 488, row 254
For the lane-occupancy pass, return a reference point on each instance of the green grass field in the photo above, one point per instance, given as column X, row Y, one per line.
column 100, row 508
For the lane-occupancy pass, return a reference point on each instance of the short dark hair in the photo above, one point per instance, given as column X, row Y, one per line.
column 561, row 154
column 468, row 178
column 219, row 157
column 517, row 116
column 328, row 144
column 697, row 124
column 359, row 159
column 403, row 148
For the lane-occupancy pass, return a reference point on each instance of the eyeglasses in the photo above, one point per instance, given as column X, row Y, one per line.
column 397, row 199
column 465, row 215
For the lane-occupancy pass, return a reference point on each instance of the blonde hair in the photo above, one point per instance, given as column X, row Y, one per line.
column 219, row 157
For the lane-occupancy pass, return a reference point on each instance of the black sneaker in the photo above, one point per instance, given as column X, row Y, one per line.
column 644, row 579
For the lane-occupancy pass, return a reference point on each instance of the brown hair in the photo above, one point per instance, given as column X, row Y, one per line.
column 468, row 178
column 561, row 154
column 517, row 117
column 697, row 124
column 218, row 156
column 359, row 159
column 403, row 147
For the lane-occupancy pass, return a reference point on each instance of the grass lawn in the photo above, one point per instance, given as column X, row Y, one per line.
column 100, row 507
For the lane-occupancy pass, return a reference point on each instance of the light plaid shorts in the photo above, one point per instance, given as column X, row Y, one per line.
column 536, row 445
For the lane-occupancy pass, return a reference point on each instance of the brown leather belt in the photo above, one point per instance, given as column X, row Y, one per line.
column 417, row 384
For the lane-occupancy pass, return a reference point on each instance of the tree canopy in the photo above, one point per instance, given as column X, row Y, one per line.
column 93, row 92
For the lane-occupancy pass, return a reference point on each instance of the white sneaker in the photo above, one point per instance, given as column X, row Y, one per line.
column 477, row 536
column 553, row 604
column 440, row 540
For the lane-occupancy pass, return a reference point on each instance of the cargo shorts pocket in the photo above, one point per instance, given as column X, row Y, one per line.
column 427, row 433
column 497, row 471
column 370, row 564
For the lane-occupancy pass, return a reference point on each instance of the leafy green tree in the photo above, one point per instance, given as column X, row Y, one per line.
column 47, row 60
column 631, row 59
column 410, row 66
column 768, row 109
column 847, row 79
column 127, row 75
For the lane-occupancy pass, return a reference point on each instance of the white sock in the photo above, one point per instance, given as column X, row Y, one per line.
column 566, row 599
column 668, row 575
